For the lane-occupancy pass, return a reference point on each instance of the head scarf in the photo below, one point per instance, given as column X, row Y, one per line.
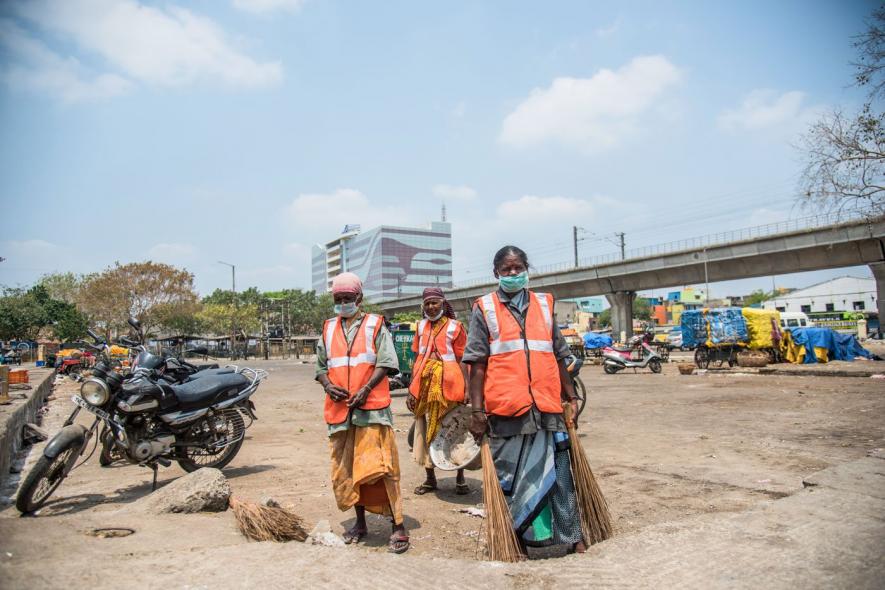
column 347, row 282
column 436, row 293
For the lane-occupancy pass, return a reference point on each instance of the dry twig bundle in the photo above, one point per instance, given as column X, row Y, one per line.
column 595, row 517
column 500, row 536
column 267, row 523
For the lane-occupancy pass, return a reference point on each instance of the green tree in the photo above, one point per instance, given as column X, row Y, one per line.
column 407, row 316
column 147, row 291
column 21, row 315
column 220, row 319
column 758, row 296
column 63, row 286
column 25, row 314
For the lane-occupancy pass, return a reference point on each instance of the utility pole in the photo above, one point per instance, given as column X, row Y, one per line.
column 575, row 242
column 623, row 245
column 233, row 327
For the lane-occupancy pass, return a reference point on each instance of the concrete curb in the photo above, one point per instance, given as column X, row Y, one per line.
column 23, row 411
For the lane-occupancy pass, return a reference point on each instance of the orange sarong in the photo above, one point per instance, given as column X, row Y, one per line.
column 365, row 470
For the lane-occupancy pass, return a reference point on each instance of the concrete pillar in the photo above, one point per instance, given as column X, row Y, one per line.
column 622, row 313
column 878, row 269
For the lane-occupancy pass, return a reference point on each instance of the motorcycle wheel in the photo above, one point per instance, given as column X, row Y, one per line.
column 581, row 392
column 655, row 366
column 192, row 458
column 610, row 369
column 44, row 479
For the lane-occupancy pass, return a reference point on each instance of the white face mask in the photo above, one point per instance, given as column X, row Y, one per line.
column 346, row 310
column 436, row 317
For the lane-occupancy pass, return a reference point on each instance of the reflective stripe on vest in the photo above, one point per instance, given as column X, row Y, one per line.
column 498, row 346
column 369, row 357
column 522, row 369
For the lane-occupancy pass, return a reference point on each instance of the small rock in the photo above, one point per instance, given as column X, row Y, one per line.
column 204, row 490
column 269, row 502
column 322, row 535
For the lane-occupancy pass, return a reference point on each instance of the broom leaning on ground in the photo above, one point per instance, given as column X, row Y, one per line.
column 500, row 536
column 267, row 523
column 595, row 518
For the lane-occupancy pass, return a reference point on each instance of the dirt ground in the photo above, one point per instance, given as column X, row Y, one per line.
column 664, row 447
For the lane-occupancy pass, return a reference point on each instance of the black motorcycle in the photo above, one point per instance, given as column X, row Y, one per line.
column 198, row 423
column 169, row 366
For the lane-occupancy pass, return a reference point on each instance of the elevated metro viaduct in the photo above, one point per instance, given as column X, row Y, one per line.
column 851, row 243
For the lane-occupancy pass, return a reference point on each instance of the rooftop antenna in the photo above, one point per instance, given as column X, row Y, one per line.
column 444, row 211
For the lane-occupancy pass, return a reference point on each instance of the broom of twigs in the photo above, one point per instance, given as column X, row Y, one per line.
column 596, row 523
column 267, row 523
column 500, row 536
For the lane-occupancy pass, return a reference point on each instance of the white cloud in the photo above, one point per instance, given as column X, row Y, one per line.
column 319, row 217
column 594, row 113
column 268, row 6
column 763, row 108
column 534, row 211
column 457, row 193
column 607, row 31
column 172, row 253
column 168, row 46
column 33, row 66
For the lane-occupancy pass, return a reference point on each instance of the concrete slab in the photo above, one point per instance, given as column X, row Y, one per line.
column 20, row 411
column 865, row 476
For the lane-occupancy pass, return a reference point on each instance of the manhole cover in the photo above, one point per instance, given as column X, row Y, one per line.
column 108, row 533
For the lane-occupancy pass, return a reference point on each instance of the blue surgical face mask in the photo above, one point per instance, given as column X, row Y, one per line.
column 346, row 310
column 514, row 283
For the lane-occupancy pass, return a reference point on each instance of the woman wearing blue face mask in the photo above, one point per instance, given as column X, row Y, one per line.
column 518, row 383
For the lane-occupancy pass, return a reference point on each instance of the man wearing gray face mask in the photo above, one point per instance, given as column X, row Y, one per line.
column 354, row 356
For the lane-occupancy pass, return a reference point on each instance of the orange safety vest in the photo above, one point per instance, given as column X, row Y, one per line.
column 352, row 367
column 453, row 378
column 522, row 369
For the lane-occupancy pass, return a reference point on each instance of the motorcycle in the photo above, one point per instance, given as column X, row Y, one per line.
column 617, row 359
column 169, row 367
column 198, row 423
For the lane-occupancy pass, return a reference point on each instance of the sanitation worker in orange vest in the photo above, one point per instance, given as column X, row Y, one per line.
column 354, row 357
column 518, row 383
column 438, row 382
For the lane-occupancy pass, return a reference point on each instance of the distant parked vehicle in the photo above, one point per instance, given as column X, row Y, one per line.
column 674, row 338
column 794, row 319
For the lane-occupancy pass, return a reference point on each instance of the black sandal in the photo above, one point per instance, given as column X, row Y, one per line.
column 354, row 535
column 424, row 488
column 399, row 543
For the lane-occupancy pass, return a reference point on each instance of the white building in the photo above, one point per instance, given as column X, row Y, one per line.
column 840, row 294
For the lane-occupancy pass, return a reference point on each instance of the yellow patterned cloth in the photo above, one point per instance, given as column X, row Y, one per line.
column 431, row 406
column 365, row 470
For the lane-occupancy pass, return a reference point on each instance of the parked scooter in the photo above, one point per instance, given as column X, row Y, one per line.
column 617, row 359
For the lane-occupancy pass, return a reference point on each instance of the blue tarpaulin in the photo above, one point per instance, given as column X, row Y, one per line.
column 726, row 326
column 840, row 347
column 594, row 340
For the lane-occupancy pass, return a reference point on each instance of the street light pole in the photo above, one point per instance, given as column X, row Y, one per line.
column 233, row 326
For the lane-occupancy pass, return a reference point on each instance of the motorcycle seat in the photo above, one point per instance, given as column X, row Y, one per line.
column 206, row 391
column 203, row 373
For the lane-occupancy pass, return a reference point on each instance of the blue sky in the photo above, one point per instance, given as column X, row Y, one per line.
column 245, row 131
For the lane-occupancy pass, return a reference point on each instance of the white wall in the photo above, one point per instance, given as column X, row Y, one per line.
column 842, row 293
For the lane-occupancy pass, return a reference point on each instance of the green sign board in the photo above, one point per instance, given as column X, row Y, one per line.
column 402, row 342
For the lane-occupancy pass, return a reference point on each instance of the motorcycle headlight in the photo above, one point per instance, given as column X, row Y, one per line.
column 95, row 391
